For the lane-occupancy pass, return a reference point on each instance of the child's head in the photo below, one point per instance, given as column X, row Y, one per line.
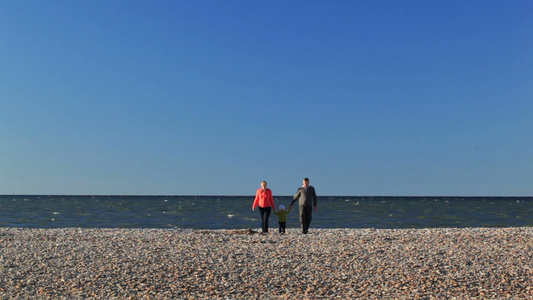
column 282, row 207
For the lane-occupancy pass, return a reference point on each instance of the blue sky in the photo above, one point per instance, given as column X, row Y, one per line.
column 212, row 97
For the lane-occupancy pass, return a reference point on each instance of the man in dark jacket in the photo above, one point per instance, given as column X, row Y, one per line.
column 308, row 200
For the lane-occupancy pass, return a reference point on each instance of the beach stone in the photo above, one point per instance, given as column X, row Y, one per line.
column 449, row 263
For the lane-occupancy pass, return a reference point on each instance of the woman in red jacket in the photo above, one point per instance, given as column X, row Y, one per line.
column 265, row 201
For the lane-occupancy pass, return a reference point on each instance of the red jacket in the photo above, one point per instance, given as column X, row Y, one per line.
column 263, row 198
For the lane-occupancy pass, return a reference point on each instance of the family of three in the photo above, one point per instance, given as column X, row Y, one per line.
column 306, row 196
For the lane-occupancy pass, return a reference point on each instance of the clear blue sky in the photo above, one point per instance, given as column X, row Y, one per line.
column 212, row 97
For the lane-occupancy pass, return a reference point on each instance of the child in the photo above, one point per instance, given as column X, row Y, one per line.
column 282, row 216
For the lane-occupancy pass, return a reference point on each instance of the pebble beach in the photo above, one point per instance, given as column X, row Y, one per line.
column 443, row 263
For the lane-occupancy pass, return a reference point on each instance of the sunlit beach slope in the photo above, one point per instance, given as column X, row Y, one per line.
column 446, row 263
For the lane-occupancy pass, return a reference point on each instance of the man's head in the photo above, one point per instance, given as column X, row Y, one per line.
column 306, row 182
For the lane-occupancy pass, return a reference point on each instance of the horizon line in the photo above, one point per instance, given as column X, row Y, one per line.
column 320, row 196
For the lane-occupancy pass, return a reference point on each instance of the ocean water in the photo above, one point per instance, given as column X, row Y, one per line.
column 234, row 212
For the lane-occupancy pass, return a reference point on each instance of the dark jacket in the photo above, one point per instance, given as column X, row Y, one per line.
column 307, row 196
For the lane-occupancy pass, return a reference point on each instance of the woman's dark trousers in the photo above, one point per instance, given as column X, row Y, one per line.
column 265, row 214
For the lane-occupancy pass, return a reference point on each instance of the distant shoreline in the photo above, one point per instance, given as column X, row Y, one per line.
column 251, row 196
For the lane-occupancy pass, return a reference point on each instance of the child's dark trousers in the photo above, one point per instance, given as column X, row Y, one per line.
column 282, row 226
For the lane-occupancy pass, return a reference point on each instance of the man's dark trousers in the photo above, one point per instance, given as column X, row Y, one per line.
column 306, row 214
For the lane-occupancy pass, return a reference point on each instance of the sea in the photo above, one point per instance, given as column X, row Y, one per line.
column 235, row 212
